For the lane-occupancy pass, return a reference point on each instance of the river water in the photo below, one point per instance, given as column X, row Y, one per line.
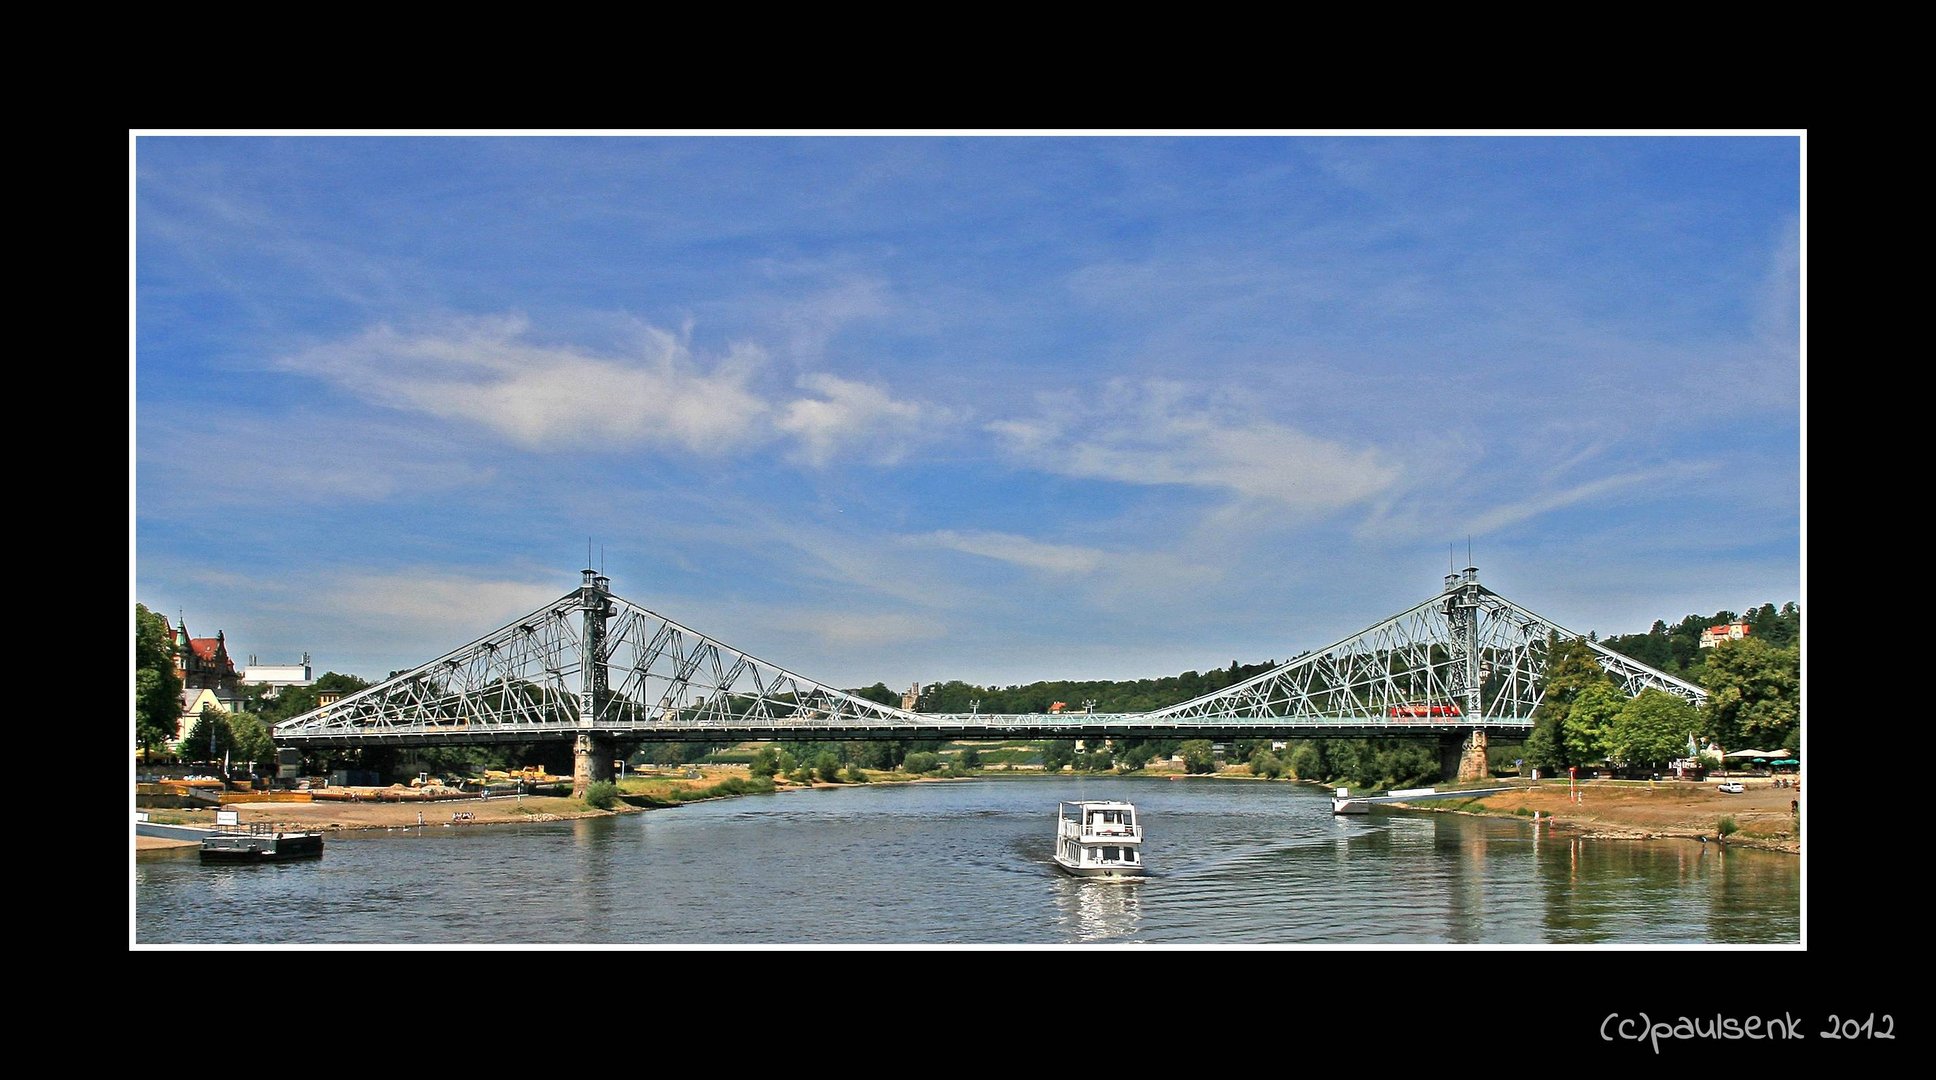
column 969, row 863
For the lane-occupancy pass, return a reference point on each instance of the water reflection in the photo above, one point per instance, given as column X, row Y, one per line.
column 969, row 863
column 1090, row 909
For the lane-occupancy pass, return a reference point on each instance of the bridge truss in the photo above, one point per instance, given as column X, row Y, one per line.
column 591, row 664
column 1467, row 653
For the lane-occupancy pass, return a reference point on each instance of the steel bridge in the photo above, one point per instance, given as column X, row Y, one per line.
column 597, row 670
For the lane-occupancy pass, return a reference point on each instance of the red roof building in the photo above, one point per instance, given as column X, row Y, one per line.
column 203, row 663
column 1715, row 635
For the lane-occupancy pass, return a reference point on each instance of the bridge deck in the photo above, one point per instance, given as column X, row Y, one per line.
column 1095, row 726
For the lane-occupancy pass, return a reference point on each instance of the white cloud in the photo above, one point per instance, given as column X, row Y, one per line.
column 541, row 396
column 1158, row 433
column 853, row 414
column 1499, row 517
column 1022, row 551
column 486, row 371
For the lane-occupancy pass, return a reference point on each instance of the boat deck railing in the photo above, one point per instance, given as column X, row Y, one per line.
column 1111, row 832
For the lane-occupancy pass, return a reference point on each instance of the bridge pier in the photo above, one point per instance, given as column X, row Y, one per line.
column 1472, row 759
column 1463, row 757
column 591, row 761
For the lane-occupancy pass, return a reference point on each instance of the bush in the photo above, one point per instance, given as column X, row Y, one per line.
column 968, row 758
column 1057, row 754
column 1197, row 756
column 1727, row 827
column 922, row 762
column 601, row 795
column 855, row 776
column 828, row 766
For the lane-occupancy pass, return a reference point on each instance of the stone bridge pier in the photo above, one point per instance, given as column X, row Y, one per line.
column 1463, row 757
column 591, row 761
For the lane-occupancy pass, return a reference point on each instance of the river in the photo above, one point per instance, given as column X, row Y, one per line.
column 969, row 863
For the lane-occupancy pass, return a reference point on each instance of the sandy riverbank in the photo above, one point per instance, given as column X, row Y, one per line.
column 373, row 813
column 1608, row 809
column 1642, row 811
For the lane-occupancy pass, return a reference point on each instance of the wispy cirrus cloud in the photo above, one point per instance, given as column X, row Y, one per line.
column 853, row 415
column 1160, row 433
column 489, row 371
column 1499, row 518
column 544, row 396
column 1022, row 551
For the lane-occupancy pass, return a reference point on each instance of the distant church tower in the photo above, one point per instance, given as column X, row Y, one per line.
column 911, row 698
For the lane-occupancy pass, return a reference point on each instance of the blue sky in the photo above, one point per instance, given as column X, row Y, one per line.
column 989, row 408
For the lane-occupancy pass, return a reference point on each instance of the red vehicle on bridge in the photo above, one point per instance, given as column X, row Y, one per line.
column 1421, row 710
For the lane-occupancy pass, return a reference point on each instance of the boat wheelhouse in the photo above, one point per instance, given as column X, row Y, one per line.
column 1099, row 839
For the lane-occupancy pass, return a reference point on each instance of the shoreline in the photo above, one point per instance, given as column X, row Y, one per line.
column 1667, row 810
column 1609, row 810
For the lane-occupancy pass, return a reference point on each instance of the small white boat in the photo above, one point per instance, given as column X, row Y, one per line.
column 1343, row 803
column 1100, row 839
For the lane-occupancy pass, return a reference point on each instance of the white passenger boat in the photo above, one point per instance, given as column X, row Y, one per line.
column 1343, row 803
column 1099, row 839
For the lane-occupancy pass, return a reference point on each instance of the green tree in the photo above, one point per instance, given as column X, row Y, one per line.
column 1198, row 757
column 1306, row 762
column 1652, row 728
column 879, row 694
column 1265, row 763
column 157, row 689
column 1754, row 694
column 920, row 763
column 1134, row 755
column 1588, row 726
column 968, row 758
column 1571, row 668
column 210, row 735
column 1057, row 754
column 1543, row 747
column 828, row 766
column 252, row 741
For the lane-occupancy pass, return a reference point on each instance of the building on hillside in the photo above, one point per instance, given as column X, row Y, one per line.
column 912, row 698
column 277, row 676
column 1715, row 635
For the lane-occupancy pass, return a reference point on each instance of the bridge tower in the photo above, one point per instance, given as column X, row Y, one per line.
column 591, row 754
column 1463, row 600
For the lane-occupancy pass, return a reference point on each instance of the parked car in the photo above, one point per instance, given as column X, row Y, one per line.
column 1732, row 787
